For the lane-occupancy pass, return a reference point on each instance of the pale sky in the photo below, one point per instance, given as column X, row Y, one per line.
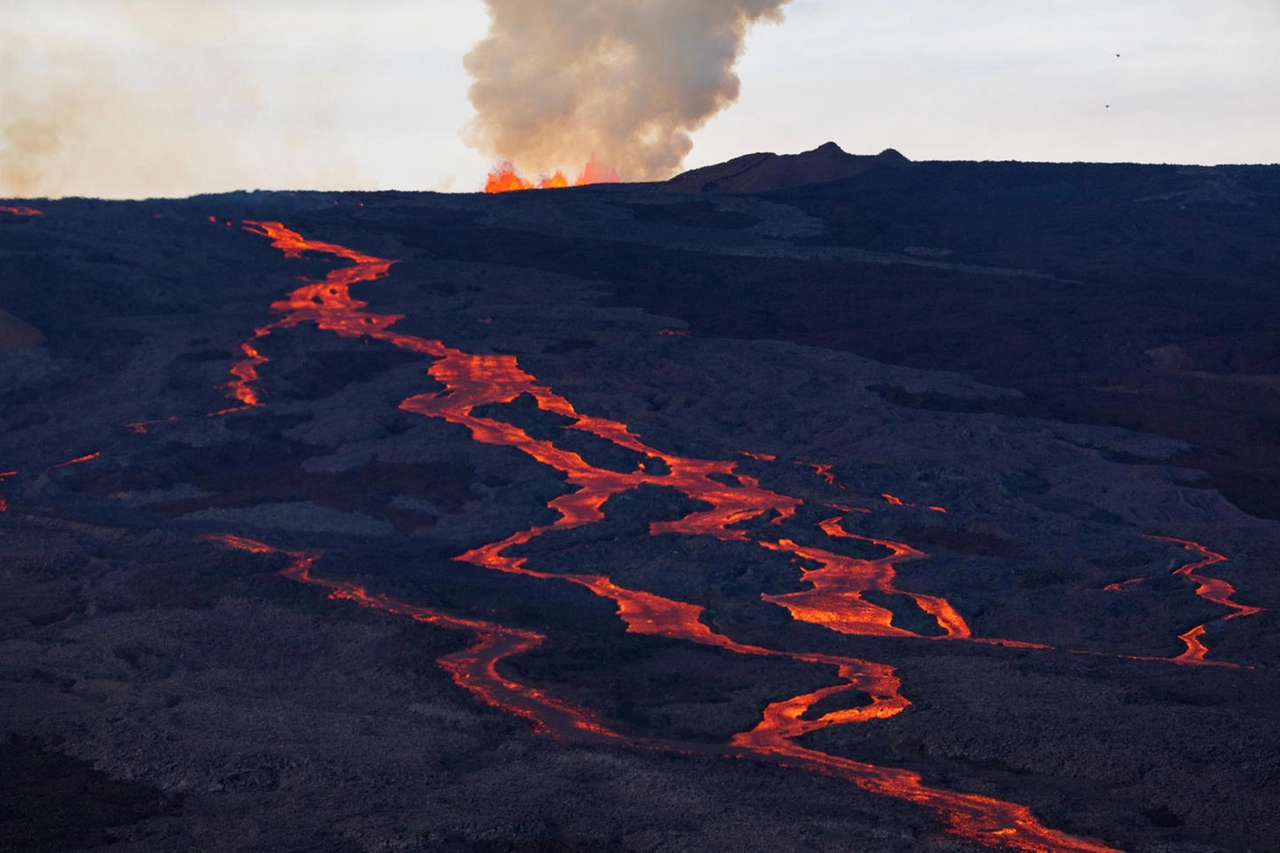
column 119, row 99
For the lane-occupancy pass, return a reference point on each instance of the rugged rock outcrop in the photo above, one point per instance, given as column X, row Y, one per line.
column 757, row 173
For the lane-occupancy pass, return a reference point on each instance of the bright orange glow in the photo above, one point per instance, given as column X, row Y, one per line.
column 1121, row 586
column 1211, row 589
column 896, row 501
column 22, row 210
column 327, row 303
column 78, row 459
column 503, row 178
column 474, row 669
column 472, row 381
column 824, row 471
column 839, row 582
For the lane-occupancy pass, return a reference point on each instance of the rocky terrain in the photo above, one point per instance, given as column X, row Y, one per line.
column 861, row 515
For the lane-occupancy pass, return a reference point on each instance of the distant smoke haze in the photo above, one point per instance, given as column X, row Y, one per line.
column 622, row 82
column 152, row 97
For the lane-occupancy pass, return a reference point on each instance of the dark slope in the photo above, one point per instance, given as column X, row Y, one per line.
column 1164, row 318
column 247, row 710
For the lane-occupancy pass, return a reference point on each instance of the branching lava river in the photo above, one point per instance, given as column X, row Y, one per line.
column 836, row 583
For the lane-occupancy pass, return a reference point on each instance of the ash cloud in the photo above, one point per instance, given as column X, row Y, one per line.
column 621, row 82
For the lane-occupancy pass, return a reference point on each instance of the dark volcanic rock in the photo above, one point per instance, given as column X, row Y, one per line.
column 51, row 803
column 949, row 356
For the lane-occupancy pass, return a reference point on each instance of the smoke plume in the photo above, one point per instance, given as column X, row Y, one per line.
column 622, row 82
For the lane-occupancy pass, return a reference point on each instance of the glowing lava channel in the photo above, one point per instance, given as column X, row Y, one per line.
column 22, row 211
column 472, row 381
column 475, row 668
column 4, row 475
column 1211, row 589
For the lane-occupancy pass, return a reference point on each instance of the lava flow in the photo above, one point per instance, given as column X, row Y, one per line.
column 893, row 500
column 88, row 457
column 504, row 178
column 1211, row 589
column 472, row 381
column 838, row 584
column 22, row 210
column 474, row 669
column 4, row 475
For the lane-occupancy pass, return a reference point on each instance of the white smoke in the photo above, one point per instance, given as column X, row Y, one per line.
column 559, row 83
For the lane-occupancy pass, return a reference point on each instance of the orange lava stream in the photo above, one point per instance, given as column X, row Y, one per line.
column 22, row 210
column 503, row 179
column 824, row 471
column 896, row 501
column 474, row 668
column 839, row 582
column 4, row 475
column 1211, row 589
column 473, row 381
column 87, row 457
column 1121, row 586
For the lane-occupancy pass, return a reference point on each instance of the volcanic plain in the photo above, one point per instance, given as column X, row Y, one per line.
column 930, row 508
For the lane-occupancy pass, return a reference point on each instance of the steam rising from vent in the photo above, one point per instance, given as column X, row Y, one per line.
column 621, row 82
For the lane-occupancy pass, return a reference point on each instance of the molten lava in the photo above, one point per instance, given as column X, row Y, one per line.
column 896, row 501
column 475, row 668
column 22, row 211
column 472, row 381
column 1211, row 589
column 86, row 458
column 503, row 178
column 824, row 471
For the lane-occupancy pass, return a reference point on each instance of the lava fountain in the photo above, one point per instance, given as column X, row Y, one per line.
column 504, row 178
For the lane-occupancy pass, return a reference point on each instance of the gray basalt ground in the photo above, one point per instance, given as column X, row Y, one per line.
column 161, row 692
